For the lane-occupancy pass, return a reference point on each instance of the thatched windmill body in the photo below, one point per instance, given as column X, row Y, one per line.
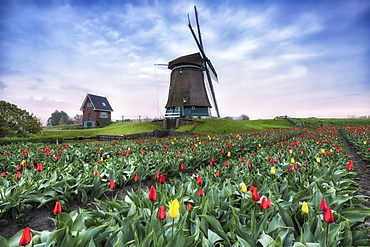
column 187, row 95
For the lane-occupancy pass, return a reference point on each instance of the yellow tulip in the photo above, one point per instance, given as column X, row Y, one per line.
column 365, row 143
column 272, row 170
column 322, row 150
column 228, row 154
column 244, row 187
column 318, row 159
column 23, row 161
column 292, row 160
column 304, row 207
column 174, row 208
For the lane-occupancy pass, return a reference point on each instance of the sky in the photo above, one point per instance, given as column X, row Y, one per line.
column 307, row 58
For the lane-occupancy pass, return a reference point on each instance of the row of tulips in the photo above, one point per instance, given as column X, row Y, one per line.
column 360, row 139
column 295, row 171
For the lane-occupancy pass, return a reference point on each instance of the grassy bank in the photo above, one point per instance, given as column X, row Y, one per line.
column 334, row 122
column 203, row 126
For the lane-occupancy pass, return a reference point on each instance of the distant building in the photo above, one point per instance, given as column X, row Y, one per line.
column 96, row 111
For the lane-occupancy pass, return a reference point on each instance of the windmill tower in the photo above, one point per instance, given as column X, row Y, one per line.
column 187, row 95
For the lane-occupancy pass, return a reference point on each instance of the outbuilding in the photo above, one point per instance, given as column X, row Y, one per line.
column 96, row 111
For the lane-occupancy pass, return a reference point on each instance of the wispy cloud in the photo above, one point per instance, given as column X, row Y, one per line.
column 272, row 57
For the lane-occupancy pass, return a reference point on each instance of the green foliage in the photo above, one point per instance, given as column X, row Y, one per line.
column 334, row 122
column 48, row 139
column 17, row 122
column 360, row 139
column 59, row 118
column 223, row 216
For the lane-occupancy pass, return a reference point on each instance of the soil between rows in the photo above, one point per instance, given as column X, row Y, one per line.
column 38, row 219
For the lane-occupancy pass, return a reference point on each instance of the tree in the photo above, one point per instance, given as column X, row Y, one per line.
column 244, row 117
column 78, row 119
column 14, row 120
column 59, row 118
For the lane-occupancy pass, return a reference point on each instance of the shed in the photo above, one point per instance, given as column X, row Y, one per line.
column 96, row 111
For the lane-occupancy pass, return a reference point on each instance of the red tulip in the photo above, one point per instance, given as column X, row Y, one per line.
column 217, row 174
column 4, row 174
column 156, row 175
column 18, row 167
column 323, row 205
column 243, row 159
column 112, row 185
column 328, row 215
column 200, row 192
column 182, row 166
column 350, row 165
column 57, row 208
column 19, row 175
column 152, row 194
column 227, row 163
column 255, row 196
column 296, row 166
column 161, row 179
column 162, row 213
column 266, row 203
column 96, row 173
column 136, row 178
column 249, row 164
column 39, row 167
column 188, row 206
column 26, row 237
column 56, row 157
column 199, row 179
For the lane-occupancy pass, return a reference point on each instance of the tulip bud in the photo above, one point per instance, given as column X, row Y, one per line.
column 152, row 194
column 26, row 237
column 57, row 208
column 304, row 207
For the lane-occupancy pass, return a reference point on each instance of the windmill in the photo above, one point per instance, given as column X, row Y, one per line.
column 187, row 93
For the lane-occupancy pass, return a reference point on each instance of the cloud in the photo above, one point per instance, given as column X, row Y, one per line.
column 271, row 57
column 2, row 85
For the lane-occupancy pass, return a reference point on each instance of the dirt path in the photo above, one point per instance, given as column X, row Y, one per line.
column 362, row 167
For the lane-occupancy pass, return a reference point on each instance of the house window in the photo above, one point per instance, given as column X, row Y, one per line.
column 89, row 104
column 104, row 114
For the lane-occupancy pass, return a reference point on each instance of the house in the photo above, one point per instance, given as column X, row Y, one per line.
column 96, row 111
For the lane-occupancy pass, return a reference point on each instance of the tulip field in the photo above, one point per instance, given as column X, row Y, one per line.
column 291, row 187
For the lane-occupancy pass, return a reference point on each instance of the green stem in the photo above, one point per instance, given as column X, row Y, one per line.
column 173, row 225
column 327, row 234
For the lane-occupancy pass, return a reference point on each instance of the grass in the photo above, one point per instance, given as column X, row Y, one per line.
column 203, row 126
column 227, row 125
column 334, row 122
column 120, row 128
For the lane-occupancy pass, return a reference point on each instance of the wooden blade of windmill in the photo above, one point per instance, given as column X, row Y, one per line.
column 213, row 95
column 198, row 27
column 213, row 72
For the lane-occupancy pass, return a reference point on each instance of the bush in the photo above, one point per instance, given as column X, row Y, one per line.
column 49, row 139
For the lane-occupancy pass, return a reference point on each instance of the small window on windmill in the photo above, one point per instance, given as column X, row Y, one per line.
column 184, row 100
column 89, row 104
column 180, row 71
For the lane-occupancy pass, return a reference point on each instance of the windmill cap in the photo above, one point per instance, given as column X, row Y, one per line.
column 192, row 59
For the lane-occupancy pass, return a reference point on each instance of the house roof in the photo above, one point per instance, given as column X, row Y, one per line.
column 99, row 103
